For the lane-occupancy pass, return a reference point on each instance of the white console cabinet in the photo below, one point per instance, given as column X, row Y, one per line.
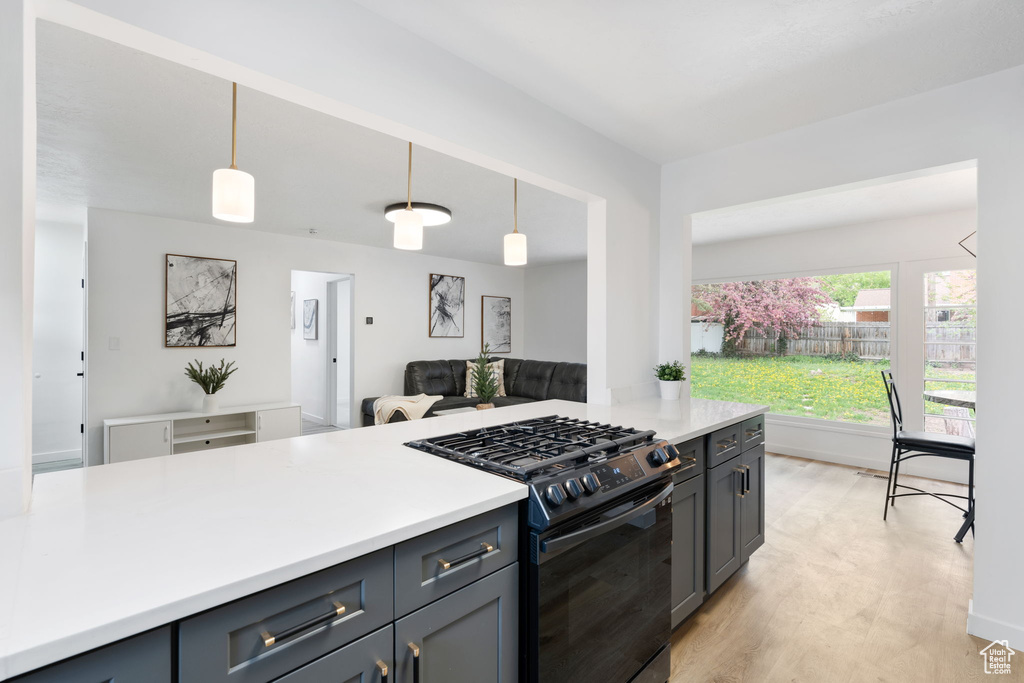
column 147, row 436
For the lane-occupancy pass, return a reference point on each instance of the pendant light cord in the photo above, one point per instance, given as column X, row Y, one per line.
column 515, row 205
column 234, row 122
column 408, row 199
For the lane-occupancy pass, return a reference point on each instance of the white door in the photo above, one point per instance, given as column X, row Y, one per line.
column 339, row 360
column 280, row 423
column 138, row 441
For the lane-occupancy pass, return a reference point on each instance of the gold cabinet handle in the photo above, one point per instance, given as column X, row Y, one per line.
column 445, row 565
column 741, row 471
column 383, row 669
column 269, row 639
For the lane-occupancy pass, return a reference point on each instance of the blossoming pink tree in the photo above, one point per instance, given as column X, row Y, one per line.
column 776, row 308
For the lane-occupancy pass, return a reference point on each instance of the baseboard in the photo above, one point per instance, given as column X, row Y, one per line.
column 993, row 629
column 56, row 456
column 313, row 418
column 915, row 469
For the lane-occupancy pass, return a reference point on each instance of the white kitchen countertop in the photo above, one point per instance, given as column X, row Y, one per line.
column 107, row 552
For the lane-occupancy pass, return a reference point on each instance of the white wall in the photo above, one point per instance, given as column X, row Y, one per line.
column 978, row 119
column 57, row 342
column 863, row 245
column 309, row 356
column 126, row 290
column 556, row 312
column 17, row 213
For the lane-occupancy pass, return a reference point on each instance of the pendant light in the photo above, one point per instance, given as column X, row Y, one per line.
column 515, row 241
column 408, row 223
column 234, row 191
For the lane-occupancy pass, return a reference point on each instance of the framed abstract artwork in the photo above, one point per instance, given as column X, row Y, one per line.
column 447, row 306
column 199, row 296
column 496, row 323
column 310, row 324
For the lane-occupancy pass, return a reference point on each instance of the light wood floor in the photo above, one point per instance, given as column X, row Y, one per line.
column 836, row 594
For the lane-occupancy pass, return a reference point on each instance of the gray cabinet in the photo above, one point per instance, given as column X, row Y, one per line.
column 735, row 505
column 752, row 504
column 433, row 565
column 266, row 635
column 145, row 658
column 687, row 547
column 724, row 484
column 470, row 636
column 368, row 660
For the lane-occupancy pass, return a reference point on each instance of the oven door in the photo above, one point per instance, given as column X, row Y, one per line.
column 599, row 594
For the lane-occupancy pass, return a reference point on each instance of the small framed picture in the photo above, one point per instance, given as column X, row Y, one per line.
column 496, row 323
column 309, row 318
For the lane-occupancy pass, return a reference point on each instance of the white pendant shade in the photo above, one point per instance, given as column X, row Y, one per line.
column 515, row 249
column 408, row 230
column 234, row 195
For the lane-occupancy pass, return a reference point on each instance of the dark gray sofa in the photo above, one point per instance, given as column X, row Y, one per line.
column 525, row 381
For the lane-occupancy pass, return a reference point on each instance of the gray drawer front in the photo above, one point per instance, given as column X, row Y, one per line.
column 226, row 643
column 363, row 661
column 724, row 444
column 145, row 658
column 752, row 432
column 419, row 576
column 694, row 448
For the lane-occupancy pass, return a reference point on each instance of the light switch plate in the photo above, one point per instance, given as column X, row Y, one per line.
column 369, row 320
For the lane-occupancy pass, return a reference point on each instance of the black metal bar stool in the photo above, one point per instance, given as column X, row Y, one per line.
column 907, row 445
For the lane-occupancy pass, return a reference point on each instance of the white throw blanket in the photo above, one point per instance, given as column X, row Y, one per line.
column 413, row 407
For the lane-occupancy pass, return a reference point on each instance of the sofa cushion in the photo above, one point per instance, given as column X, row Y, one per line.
column 511, row 401
column 459, row 371
column 430, row 377
column 511, row 370
column 569, row 382
column 533, row 379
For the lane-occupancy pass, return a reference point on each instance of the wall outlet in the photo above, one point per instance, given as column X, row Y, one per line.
column 114, row 343
column 369, row 320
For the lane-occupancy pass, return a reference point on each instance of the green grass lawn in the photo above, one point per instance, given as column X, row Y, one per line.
column 796, row 385
column 811, row 386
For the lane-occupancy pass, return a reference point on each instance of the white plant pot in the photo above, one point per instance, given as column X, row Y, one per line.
column 211, row 403
column 670, row 389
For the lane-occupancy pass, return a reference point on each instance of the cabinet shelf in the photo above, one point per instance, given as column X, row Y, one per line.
column 210, row 436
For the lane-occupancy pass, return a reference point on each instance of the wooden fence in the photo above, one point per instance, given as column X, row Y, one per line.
column 945, row 342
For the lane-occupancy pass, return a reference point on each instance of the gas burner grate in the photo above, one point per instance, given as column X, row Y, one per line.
column 529, row 448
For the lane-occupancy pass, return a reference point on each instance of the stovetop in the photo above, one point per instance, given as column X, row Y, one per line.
column 570, row 465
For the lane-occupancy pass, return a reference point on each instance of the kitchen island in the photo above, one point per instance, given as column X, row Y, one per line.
column 109, row 552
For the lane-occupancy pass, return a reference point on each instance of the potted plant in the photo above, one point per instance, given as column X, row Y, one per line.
column 211, row 379
column 670, row 379
column 485, row 383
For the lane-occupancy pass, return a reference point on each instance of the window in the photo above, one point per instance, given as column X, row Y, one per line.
column 950, row 348
column 807, row 346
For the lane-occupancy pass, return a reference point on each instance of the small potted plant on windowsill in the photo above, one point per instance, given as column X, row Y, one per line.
column 485, row 382
column 211, row 379
column 670, row 379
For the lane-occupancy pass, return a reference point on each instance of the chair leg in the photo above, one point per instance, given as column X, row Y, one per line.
column 888, row 483
column 896, row 453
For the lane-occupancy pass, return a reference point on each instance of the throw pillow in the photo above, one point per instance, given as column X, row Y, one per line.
column 496, row 368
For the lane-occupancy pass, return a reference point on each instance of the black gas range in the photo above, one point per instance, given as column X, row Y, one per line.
column 597, row 535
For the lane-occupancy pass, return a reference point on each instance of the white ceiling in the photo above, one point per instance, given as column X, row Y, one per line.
column 673, row 78
column 928, row 194
column 120, row 129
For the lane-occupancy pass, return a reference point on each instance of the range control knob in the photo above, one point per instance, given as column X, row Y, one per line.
column 673, row 452
column 555, row 495
column 590, row 483
column 658, row 457
column 573, row 489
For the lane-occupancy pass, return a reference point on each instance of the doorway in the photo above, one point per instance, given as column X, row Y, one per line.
column 58, row 347
column 321, row 349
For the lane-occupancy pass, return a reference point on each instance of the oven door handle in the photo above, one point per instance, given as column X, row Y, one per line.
column 562, row 542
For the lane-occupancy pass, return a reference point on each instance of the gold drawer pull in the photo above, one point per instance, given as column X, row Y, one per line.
column 269, row 639
column 484, row 548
